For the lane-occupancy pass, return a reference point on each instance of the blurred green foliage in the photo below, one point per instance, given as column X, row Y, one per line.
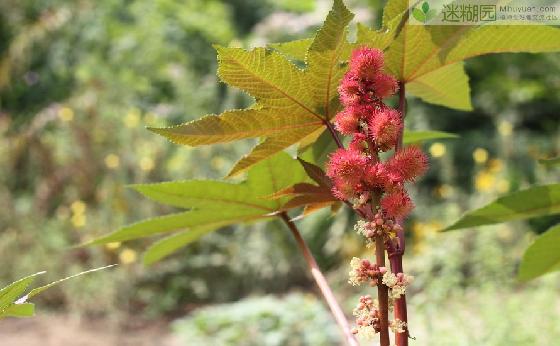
column 79, row 80
column 295, row 320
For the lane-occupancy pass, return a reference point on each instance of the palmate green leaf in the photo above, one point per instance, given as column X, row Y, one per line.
column 237, row 124
column 411, row 137
column 419, row 51
column 393, row 9
column 541, row 257
column 270, row 146
column 212, row 204
column 532, row 202
column 294, row 49
column 324, row 70
column 292, row 104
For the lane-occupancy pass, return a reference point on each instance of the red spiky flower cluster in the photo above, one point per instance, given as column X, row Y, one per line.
column 356, row 171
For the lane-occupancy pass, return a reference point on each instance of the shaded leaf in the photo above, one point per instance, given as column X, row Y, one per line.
column 168, row 245
column 39, row 290
column 550, row 162
column 541, row 257
column 308, row 199
column 300, row 189
column 316, row 173
column 532, row 202
column 173, row 222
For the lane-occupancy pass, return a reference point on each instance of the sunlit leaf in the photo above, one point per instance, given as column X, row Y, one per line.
column 532, row 202
column 235, row 125
column 541, row 257
column 324, row 70
column 294, row 49
column 420, row 136
column 19, row 310
column 10, row 293
column 447, row 86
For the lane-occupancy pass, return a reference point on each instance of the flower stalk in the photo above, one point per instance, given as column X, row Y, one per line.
column 375, row 188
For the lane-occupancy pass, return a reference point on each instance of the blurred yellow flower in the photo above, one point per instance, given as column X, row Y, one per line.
column 78, row 220
column 444, row 191
column 132, row 118
column 146, row 164
column 112, row 161
column 495, row 165
column 78, row 207
column 127, row 256
column 484, row 181
column 437, row 149
column 65, row 114
column 113, row 245
column 480, row 155
column 505, row 128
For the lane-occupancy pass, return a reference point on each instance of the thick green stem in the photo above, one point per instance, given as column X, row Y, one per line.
column 321, row 282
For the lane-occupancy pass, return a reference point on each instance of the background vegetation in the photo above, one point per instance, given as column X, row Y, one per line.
column 80, row 80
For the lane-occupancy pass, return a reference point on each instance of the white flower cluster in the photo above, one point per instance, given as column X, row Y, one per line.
column 353, row 277
column 397, row 283
column 397, row 326
column 365, row 229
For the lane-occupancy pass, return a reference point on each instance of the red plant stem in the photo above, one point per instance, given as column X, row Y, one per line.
column 400, row 303
column 333, row 133
column 321, row 282
column 382, row 295
column 396, row 257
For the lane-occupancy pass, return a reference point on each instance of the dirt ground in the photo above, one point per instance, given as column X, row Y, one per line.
column 62, row 330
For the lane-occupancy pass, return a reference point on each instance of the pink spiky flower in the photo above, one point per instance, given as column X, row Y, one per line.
column 397, row 204
column 347, row 166
column 350, row 90
column 366, row 63
column 384, row 85
column 385, row 127
column 347, row 121
column 358, row 142
column 408, row 164
column 376, row 176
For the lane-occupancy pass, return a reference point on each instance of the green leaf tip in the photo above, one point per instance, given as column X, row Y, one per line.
column 520, row 205
column 542, row 256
